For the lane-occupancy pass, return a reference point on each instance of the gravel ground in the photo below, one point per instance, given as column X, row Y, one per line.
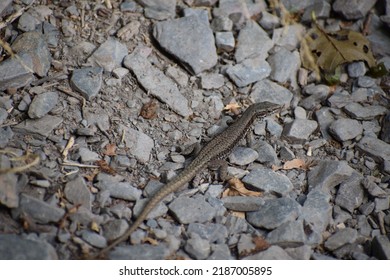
column 103, row 99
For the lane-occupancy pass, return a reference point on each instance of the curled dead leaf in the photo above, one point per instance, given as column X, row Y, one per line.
column 329, row 50
column 149, row 110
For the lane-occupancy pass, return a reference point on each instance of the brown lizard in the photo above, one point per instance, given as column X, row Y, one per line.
column 218, row 148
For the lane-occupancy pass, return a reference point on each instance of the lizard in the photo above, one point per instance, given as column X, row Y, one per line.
column 217, row 149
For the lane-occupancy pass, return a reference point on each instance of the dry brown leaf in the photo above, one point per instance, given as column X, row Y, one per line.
column 238, row 214
column 260, row 245
column 110, row 150
column 151, row 241
column 238, row 187
column 91, row 176
column 149, row 110
column 105, row 167
column 295, row 163
column 329, row 50
column 233, row 107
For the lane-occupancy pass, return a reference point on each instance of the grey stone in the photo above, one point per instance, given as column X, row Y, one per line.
column 352, row 10
column 9, row 190
column 128, row 6
column 220, row 252
column 324, row 118
column 360, row 95
column 6, row 135
column 77, row 192
column 366, row 82
column 114, row 229
column 139, row 144
column 339, row 215
column 345, row 129
column 272, row 253
column 87, row 81
column 367, row 208
column 300, row 253
column 197, row 247
column 238, row 11
column 274, row 213
column 236, row 225
column 266, row 90
column 34, row 45
column 108, row 55
column 191, row 210
column 356, row 69
column 140, row 252
column 160, row 86
column 213, row 233
column 3, row 115
column 28, row 21
column 160, row 210
column 378, row 38
column 382, row 204
column 320, row 8
column 372, row 188
column 286, row 154
column 385, row 133
column 317, row 94
column 284, row 65
column 299, row 131
column 212, row 80
column 245, row 244
column 289, row 234
column 296, row 5
column 375, row 148
column 159, row 10
column 38, row 210
column 340, row 238
column 288, row 37
column 84, row 217
column 248, row 42
column 317, row 212
column 243, row 156
column 200, row 13
column 198, row 53
column 221, row 24
column 363, row 226
column 350, row 194
column 177, row 75
column 42, row 104
column 51, row 34
column 269, row 181
column 268, row 21
column 16, row 247
column 266, row 152
column 339, row 99
column 94, row 239
column 4, row 5
column 300, row 113
column 39, row 128
column 225, row 41
column 98, row 118
column 86, row 155
column 381, row 247
column 14, row 74
column 359, row 112
column 122, row 190
column 242, row 203
column 328, row 174
column 249, row 71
